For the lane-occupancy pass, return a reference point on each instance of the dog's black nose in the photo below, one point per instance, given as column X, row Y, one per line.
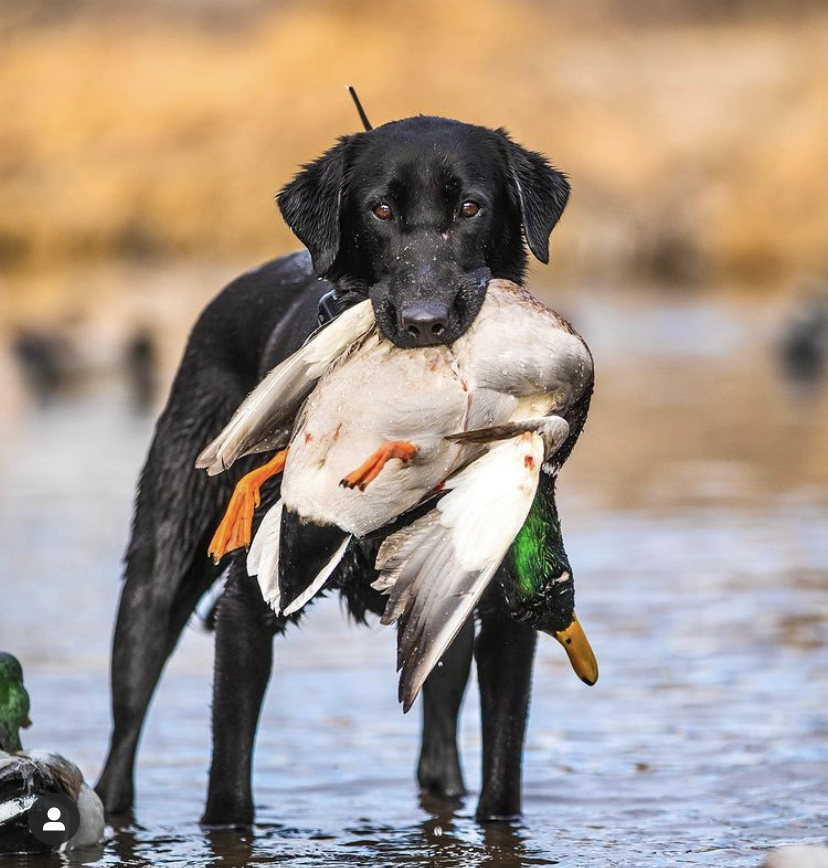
column 425, row 322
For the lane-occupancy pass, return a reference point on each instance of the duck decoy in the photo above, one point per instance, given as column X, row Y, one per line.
column 468, row 429
column 24, row 777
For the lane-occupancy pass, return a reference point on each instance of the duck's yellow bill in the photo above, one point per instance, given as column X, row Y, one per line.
column 579, row 651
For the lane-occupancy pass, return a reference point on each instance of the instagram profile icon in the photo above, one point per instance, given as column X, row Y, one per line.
column 53, row 819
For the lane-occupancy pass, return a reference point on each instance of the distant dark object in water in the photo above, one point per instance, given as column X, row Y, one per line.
column 672, row 257
column 141, row 368
column 44, row 359
column 803, row 347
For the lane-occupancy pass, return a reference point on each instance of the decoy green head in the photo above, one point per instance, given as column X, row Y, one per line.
column 14, row 703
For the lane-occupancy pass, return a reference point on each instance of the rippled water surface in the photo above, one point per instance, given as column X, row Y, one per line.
column 696, row 519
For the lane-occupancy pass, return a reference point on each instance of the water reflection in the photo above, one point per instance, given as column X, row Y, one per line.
column 697, row 519
column 444, row 839
column 229, row 848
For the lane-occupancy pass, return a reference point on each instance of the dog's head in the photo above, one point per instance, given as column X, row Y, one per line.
column 420, row 214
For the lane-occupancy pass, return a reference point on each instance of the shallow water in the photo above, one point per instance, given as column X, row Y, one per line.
column 696, row 519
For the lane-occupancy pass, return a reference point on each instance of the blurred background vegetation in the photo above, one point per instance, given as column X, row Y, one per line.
column 694, row 132
column 141, row 146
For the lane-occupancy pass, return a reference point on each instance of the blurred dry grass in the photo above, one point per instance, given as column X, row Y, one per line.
column 697, row 148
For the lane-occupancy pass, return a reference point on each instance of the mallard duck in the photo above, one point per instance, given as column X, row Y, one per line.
column 384, row 430
column 26, row 776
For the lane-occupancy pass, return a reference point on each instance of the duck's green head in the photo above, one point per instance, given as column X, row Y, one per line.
column 14, row 703
column 539, row 588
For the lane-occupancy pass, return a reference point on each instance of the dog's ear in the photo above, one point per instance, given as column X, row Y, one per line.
column 311, row 205
column 543, row 192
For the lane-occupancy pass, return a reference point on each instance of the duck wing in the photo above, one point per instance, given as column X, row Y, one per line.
column 24, row 778
column 67, row 773
column 436, row 570
column 266, row 415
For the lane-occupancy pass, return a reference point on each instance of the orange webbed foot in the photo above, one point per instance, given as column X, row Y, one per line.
column 370, row 470
column 235, row 529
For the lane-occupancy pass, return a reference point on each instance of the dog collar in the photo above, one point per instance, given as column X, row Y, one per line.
column 333, row 303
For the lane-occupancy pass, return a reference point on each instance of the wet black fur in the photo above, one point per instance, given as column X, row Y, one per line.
column 426, row 260
column 428, row 256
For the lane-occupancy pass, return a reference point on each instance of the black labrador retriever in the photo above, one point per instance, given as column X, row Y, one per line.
column 418, row 214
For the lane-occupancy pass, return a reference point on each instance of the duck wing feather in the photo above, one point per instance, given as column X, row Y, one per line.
column 265, row 417
column 436, row 570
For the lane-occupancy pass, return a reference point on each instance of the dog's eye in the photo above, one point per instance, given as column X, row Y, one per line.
column 469, row 209
column 382, row 211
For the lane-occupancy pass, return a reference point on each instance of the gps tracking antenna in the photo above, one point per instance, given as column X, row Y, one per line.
column 362, row 116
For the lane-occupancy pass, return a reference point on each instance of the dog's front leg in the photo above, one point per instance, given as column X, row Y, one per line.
column 439, row 772
column 245, row 628
column 504, row 652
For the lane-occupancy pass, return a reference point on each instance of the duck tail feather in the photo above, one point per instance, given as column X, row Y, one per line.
column 317, row 584
column 308, row 554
